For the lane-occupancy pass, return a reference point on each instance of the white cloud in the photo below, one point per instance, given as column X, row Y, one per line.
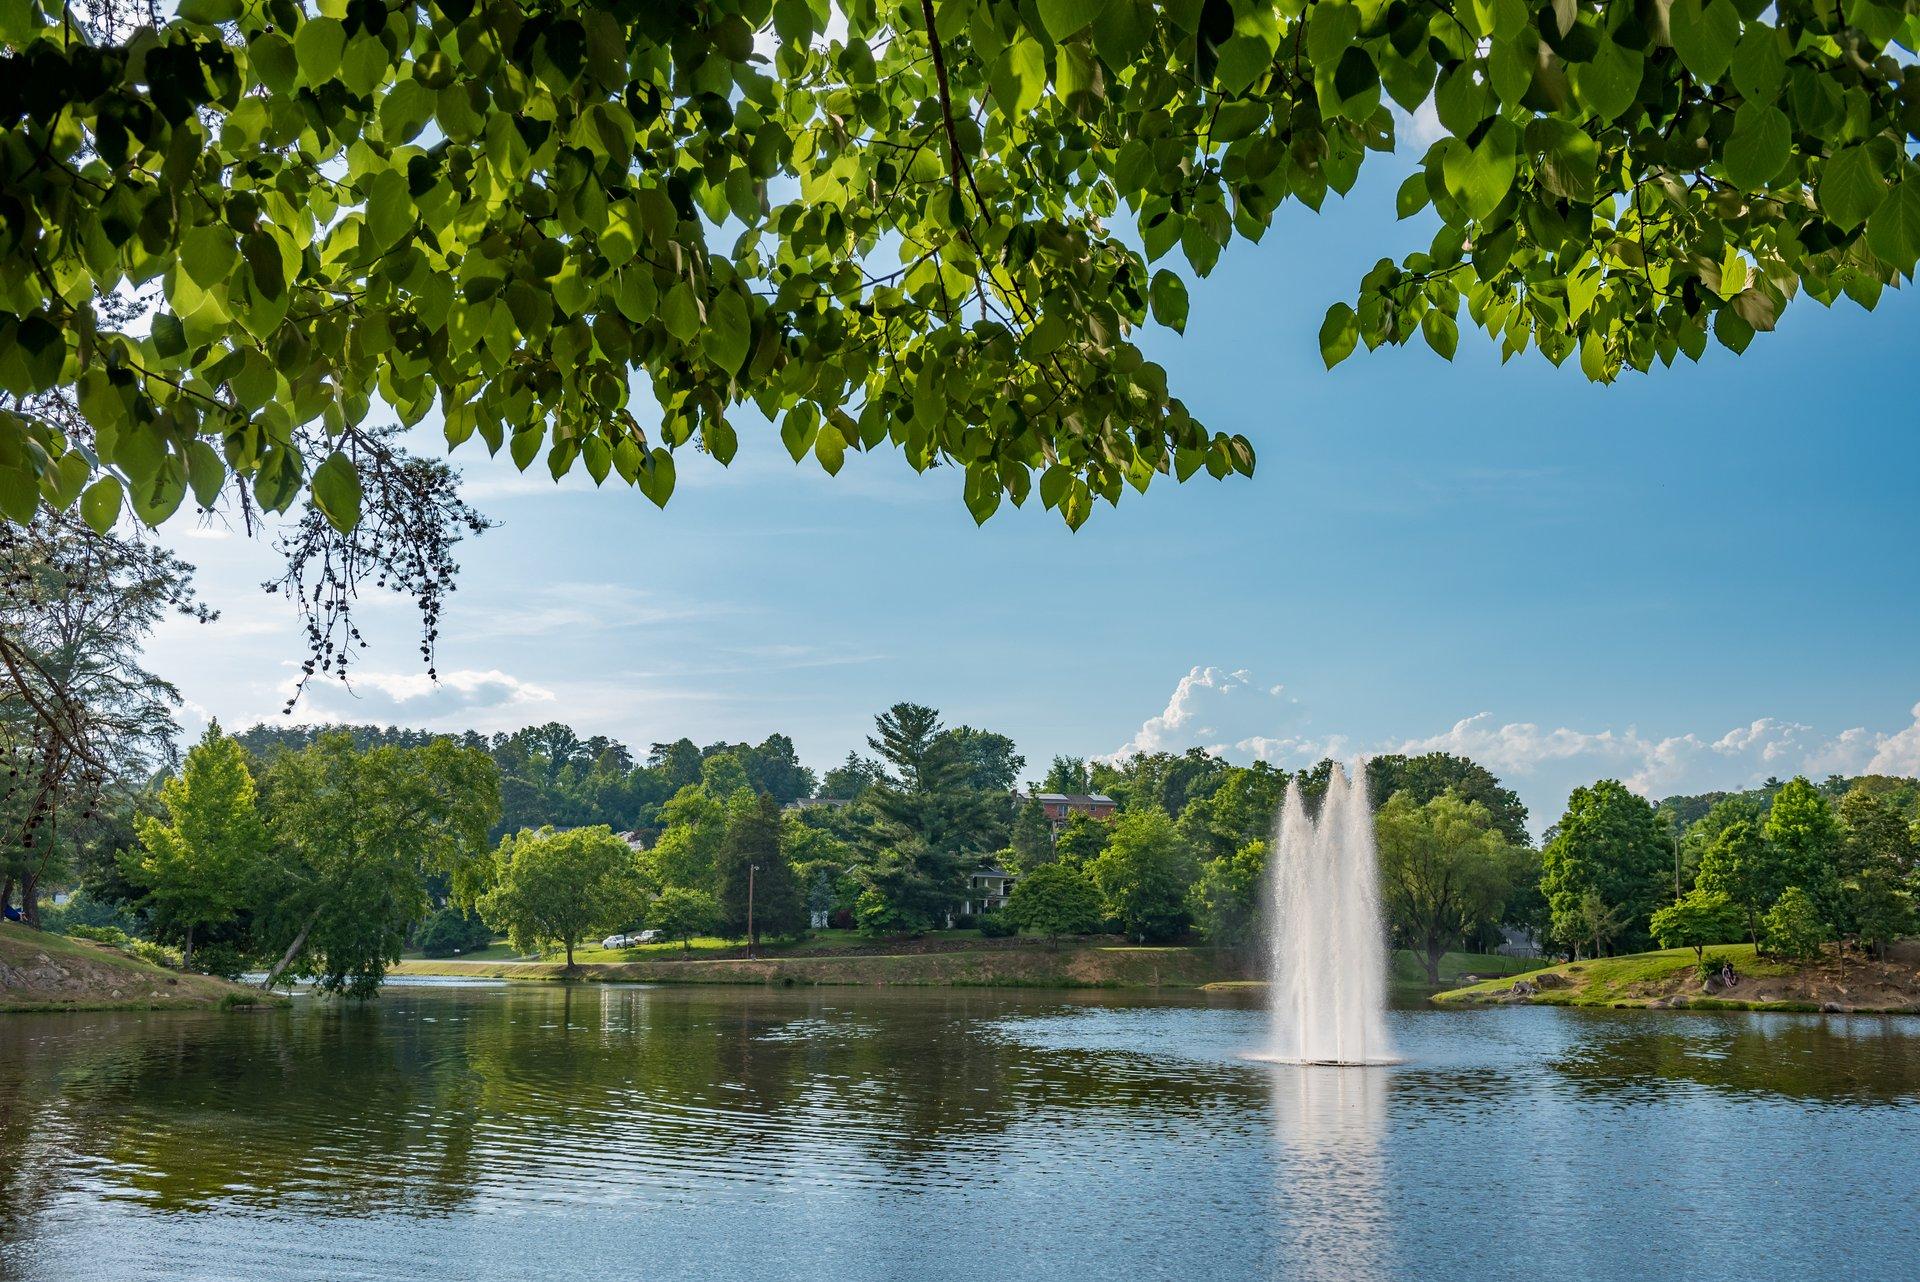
column 1898, row 754
column 1541, row 763
column 1216, row 708
column 415, row 697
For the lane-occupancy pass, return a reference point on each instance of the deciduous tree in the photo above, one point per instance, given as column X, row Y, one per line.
column 1608, row 842
column 1055, row 900
column 1442, row 873
column 1697, row 919
column 549, row 887
column 197, row 865
column 1144, row 874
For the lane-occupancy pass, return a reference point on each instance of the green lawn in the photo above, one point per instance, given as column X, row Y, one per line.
column 819, row 941
column 1404, row 967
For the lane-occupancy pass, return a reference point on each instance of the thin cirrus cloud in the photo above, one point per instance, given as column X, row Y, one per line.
column 1229, row 712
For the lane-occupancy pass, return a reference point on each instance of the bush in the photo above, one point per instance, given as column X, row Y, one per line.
column 965, row 921
column 112, row 936
column 1709, row 966
column 157, row 954
column 841, row 919
column 996, row 926
column 1055, row 900
column 448, row 931
column 84, row 909
column 223, row 960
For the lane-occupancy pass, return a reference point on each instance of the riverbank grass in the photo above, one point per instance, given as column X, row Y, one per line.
column 1670, row 978
column 46, row 972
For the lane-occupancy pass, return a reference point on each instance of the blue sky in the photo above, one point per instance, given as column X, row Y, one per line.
column 1691, row 579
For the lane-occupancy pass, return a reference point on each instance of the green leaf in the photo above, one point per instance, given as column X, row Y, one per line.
column 1441, row 331
column 390, row 211
column 317, row 46
column 1479, row 177
column 208, row 253
column 1062, row 18
column 1606, row 84
column 830, row 447
column 100, row 505
column 206, row 473
column 1413, row 195
column 680, row 312
column 1338, row 334
column 1020, row 76
column 1046, row 336
column 1851, row 187
column 336, row 491
column 1704, row 36
column 1757, row 65
column 1761, row 142
column 208, row 13
column 1893, row 232
column 1169, row 294
column 1243, row 59
column 274, row 62
column 657, row 477
column 729, row 332
column 63, row 482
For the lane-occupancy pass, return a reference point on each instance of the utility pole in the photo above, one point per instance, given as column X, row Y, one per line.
column 751, row 870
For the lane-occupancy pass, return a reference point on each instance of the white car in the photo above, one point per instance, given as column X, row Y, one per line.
column 628, row 941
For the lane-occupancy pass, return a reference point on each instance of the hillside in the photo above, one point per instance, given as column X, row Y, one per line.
column 1668, row 980
column 39, row 971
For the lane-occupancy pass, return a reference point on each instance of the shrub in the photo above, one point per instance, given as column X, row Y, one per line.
column 965, row 921
column 157, row 954
column 1056, row 900
column 448, row 931
column 996, row 926
column 841, row 919
column 112, row 936
column 223, row 960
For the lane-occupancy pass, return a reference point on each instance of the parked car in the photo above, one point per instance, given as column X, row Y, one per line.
column 629, row 940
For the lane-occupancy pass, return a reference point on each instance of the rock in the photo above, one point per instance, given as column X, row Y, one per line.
column 1466, row 979
column 172, row 981
column 1522, row 988
column 1833, row 1008
column 1678, row 1003
column 1553, row 979
column 1658, row 1003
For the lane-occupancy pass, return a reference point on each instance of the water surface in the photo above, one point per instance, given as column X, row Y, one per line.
column 469, row 1130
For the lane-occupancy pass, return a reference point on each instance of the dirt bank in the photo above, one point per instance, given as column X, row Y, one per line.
column 50, row 972
column 1027, row 967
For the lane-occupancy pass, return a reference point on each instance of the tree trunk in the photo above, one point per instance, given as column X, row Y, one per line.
column 6, row 893
column 186, row 953
column 569, row 954
column 293, row 950
column 1431, row 960
column 30, row 898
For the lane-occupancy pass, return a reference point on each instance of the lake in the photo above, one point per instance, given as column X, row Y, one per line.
column 465, row 1130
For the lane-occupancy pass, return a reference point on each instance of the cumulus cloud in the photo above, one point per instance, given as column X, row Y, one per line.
column 1224, row 711
column 415, row 697
column 1228, row 712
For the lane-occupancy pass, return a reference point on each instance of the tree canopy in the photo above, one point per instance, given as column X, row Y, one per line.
column 591, row 233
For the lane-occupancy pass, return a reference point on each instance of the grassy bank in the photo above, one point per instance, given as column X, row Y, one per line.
column 1007, row 963
column 1669, row 979
column 39, row 971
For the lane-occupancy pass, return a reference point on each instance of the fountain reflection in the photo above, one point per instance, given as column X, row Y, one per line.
column 1330, row 1126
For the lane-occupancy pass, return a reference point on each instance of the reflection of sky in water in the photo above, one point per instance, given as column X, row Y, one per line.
column 547, row 1132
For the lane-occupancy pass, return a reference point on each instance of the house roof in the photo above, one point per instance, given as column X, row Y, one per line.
column 1073, row 798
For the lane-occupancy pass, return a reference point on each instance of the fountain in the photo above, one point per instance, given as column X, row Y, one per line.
column 1328, row 964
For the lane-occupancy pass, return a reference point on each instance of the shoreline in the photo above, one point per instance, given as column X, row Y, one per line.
column 1098, row 967
column 1668, row 980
